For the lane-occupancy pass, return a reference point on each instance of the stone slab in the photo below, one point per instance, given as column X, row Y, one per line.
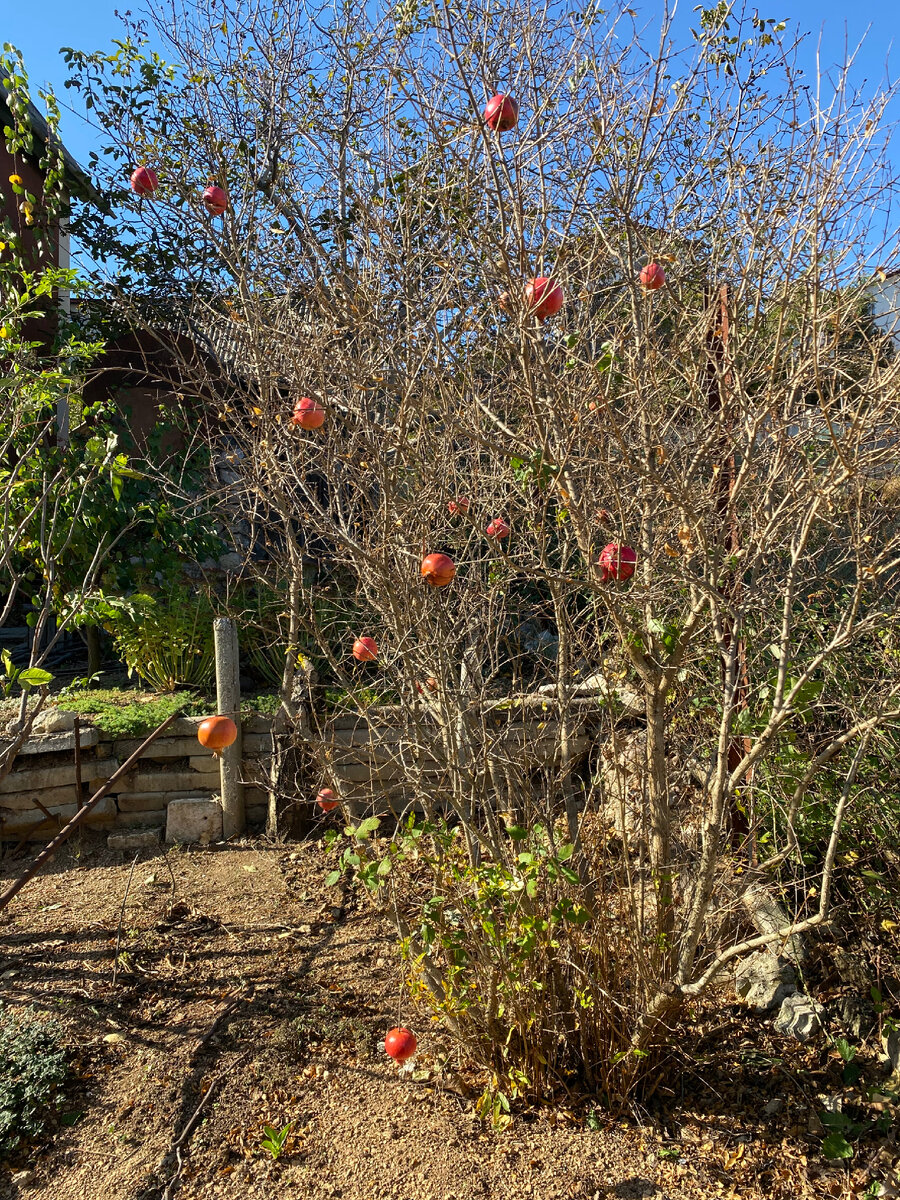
column 168, row 781
column 147, row 839
column 49, row 797
column 153, row 801
column 256, row 743
column 103, row 812
column 140, row 820
column 196, row 819
column 52, row 742
column 53, row 777
column 164, row 747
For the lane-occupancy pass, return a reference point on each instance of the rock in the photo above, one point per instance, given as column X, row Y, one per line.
column 23, row 1178
column 230, row 562
column 197, row 819
column 40, row 778
column 799, row 1017
column 764, row 981
column 22, row 823
column 50, row 743
column 147, row 839
column 768, row 915
column 773, row 1107
column 53, row 720
column 855, row 1015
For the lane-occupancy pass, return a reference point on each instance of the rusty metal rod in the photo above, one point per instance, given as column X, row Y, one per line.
column 16, row 886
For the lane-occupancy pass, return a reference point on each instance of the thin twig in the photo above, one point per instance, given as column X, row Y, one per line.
column 122, row 916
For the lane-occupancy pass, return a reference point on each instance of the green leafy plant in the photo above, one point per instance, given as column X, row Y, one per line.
column 12, row 677
column 120, row 714
column 33, row 1069
column 275, row 1139
column 169, row 641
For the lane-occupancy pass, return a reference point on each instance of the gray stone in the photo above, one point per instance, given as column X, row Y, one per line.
column 50, row 743
column 799, row 1017
column 148, row 839
column 764, row 981
column 135, row 802
column 56, row 777
column 140, row 820
column 197, row 819
column 20, row 822
column 891, row 1043
column 53, row 720
column 855, row 1014
column 165, row 747
column 230, row 561
column 773, row 1107
column 169, row 781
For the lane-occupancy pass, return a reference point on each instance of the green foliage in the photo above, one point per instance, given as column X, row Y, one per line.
column 32, row 1070
column 12, row 677
column 169, row 641
column 119, row 714
column 274, row 1140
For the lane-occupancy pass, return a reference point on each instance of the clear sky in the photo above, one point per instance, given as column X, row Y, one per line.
column 40, row 27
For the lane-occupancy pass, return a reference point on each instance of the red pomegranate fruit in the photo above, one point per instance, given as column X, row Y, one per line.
column 501, row 113
column 400, row 1044
column 497, row 529
column 144, row 181
column 457, row 506
column 216, row 733
column 327, row 800
column 438, row 569
column 617, row 562
column 543, row 297
column 215, row 200
column 365, row 649
column 653, row 277
column 308, row 414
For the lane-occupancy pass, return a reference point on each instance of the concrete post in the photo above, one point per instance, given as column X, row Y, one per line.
column 228, row 699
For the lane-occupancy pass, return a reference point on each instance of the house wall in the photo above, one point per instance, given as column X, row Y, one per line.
column 886, row 306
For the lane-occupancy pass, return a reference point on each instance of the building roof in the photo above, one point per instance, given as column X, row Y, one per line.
column 77, row 178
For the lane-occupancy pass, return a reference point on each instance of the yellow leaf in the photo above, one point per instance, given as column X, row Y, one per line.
column 671, row 551
column 887, row 926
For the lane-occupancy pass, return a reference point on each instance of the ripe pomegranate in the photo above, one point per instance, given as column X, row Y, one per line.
column 438, row 569
column 431, row 683
column 308, row 414
column 617, row 562
column 327, row 800
column 653, row 277
column 543, row 297
column 216, row 733
column 497, row 528
column 459, row 505
column 215, row 199
column 400, row 1044
column 501, row 113
column 144, row 182
column 365, row 649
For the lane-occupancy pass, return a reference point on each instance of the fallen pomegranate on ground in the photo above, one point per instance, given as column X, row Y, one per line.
column 617, row 562
column 400, row 1044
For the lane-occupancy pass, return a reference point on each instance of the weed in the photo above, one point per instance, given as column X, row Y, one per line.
column 275, row 1139
column 32, row 1070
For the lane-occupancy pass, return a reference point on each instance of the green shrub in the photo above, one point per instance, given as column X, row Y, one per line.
column 32, row 1070
column 169, row 641
column 124, row 714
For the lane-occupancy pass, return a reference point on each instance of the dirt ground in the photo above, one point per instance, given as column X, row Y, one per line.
column 250, row 991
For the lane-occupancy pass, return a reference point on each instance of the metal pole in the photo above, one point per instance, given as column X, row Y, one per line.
column 228, row 699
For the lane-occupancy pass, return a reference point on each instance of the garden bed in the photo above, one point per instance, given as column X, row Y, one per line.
column 241, row 973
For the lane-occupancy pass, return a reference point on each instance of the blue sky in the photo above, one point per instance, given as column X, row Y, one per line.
column 40, row 27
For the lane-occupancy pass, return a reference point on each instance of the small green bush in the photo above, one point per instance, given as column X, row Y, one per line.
column 116, row 715
column 168, row 642
column 33, row 1068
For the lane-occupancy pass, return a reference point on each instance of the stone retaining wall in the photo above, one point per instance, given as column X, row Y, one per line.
column 176, row 767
